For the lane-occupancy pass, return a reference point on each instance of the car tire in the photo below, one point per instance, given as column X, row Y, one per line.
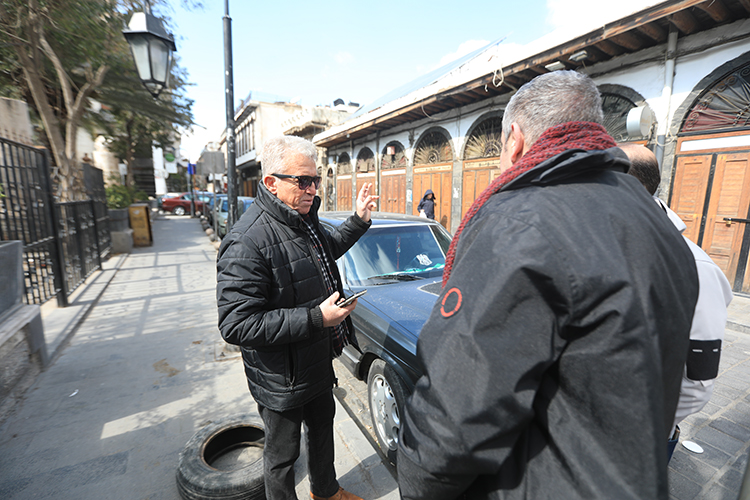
column 386, row 394
column 179, row 211
column 210, row 465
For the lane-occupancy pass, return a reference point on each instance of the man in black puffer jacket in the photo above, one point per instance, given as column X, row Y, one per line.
column 277, row 288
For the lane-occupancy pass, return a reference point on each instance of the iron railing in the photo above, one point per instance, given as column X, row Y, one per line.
column 63, row 242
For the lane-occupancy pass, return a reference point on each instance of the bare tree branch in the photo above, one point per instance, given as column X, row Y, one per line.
column 62, row 75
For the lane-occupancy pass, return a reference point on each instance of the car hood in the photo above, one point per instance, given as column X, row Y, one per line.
column 407, row 303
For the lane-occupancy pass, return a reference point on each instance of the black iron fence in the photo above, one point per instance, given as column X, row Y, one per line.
column 63, row 242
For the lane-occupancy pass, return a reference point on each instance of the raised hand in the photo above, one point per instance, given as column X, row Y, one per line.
column 366, row 202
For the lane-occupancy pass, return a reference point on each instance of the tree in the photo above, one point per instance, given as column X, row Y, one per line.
column 59, row 53
column 134, row 121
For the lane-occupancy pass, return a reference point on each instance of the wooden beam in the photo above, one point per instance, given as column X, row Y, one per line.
column 745, row 5
column 628, row 40
column 655, row 32
column 684, row 21
column 609, row 48
column 715, row 9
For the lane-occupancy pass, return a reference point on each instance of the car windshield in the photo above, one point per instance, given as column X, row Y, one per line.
column 397, row 253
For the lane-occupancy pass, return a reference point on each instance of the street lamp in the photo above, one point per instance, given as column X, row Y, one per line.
column 152, row 49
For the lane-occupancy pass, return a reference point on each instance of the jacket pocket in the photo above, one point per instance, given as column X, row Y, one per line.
column 291, row 376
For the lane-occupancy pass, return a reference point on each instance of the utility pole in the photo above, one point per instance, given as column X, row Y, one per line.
column 229, row 89
column 191, row 186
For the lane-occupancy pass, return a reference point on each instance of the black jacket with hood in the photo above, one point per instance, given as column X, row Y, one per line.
column 553, row 357
column 269, row 288
column 428, row 205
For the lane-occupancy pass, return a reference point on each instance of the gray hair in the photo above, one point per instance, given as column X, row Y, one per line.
column 277, row 149
column 552, row 99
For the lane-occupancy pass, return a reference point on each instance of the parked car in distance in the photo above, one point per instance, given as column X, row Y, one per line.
column 222, row 210
column 211, row 207
column 180, row 204
column 161, row 198
column 400, row 262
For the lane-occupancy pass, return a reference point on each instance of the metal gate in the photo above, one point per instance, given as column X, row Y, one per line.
column 63, row 242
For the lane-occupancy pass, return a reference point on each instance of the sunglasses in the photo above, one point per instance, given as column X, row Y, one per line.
column 303, row 181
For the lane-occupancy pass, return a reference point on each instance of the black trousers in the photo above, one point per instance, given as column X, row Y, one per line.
column 282, row 447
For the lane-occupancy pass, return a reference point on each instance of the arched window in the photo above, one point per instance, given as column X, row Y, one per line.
column 725, row 106
column 393, row 156
column 344, row 165
column 366, row 161
column 616, row 108
column 433, row 148
column 485, row 139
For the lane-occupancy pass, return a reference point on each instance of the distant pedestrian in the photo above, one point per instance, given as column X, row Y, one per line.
column 426, row 207
column 277, row 289
column 552, row 359
column 710, row 317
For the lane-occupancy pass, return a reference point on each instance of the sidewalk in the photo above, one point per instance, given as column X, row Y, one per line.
column 138, row 367
column 722, row 428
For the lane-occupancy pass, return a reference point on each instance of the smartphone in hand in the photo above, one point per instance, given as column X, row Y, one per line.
column 351, row 299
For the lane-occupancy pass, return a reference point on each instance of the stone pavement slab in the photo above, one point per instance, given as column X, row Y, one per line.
column 722, row 428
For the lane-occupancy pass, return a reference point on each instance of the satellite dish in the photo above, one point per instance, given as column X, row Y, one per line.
column 639, row 121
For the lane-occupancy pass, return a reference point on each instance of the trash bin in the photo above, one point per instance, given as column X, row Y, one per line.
column 140, row 222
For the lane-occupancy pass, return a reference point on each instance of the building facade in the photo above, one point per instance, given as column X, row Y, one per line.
column 674, row 76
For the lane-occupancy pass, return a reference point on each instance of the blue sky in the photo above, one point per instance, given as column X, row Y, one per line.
column 316, row 52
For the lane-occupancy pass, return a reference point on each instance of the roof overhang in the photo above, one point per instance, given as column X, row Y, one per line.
column 632, row 33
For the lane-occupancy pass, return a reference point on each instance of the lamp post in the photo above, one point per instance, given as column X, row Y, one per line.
column 152, row 49
column 229, row 91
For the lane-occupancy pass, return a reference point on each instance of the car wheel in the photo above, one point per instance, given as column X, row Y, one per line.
column 387, row 394
column 179, row 211
column 224, row 461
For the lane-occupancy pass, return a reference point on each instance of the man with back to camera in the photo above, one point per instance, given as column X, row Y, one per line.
column 277, row 289
column 710, row 316
column 551, row 369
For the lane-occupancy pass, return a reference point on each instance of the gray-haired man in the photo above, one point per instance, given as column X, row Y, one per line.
column 277, row 289
column 552, row 359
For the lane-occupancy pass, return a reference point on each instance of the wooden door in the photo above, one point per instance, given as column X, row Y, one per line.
column 344, row 192
column 439, row 179
column 730, row 197
column 474, row 182
column 689, row 192
column 362, row 179
column 393, row 190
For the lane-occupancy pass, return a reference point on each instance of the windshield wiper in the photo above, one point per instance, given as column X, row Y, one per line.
column 396, row 276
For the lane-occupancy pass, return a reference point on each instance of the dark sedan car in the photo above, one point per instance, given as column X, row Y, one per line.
column 400, row 262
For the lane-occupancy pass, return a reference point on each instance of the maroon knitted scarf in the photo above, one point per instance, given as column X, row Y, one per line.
column 587, row 136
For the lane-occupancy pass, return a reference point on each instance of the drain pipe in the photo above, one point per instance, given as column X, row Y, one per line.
column 666, row 96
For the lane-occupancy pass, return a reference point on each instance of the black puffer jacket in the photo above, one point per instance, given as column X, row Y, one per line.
column 269, row 287
column 553, row 358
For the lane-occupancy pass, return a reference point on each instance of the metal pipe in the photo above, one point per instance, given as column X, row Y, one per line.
column 666, row 96
column 229, row 89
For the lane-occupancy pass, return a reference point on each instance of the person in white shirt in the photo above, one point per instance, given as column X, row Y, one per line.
column 709, row 320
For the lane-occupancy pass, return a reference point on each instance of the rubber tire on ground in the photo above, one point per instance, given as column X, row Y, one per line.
column 179, row 210
column 197, row 480
column 383, row 378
